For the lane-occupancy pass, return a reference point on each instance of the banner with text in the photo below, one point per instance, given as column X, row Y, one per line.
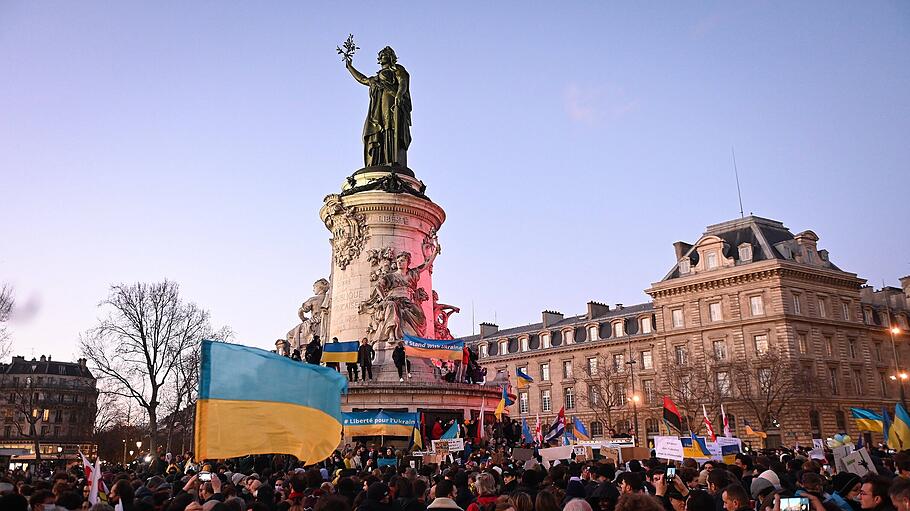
column 379, row 423
column 431, row 348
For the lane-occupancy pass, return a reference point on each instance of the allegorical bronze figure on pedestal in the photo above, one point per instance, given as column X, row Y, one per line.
column 387, row 130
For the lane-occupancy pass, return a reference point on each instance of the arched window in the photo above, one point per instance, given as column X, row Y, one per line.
column 617, row 329
column 841, row 420
column 597, row 429
column 815, row 423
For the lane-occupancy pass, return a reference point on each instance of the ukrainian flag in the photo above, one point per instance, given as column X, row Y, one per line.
column 899, row 433
column 580, row 432
column 431, row 348
column 340, row 352
column 253, row 401
column 867, row 420
column 523, row 379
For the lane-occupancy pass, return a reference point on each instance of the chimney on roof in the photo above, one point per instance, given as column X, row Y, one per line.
column 619, row 306
column 18, row 358
column 905, row 285
column 550, row 317
column 48, row 358
column 488, row 329
column 681, row 247
column 82, row 362
column 43, row 358
column 597, row 309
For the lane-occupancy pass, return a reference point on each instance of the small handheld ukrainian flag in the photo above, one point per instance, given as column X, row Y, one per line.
column 253, row 401
column 523, row 378
column 580, row 432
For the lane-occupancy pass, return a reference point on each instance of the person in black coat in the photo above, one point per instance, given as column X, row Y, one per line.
column 365, row 355
column 401, row 361
column 313, row 353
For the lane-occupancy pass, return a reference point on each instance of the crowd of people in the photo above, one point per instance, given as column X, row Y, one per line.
column 466, row 370
column 361, row 478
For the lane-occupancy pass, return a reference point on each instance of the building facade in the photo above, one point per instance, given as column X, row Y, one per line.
column 60, row 397
column 750, row 317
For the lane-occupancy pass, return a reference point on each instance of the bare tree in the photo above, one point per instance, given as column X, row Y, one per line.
column 147, row 333
column 28, row 404
column 111, row 410
column 605, row 388
column 7, row 301
column 768, row 384
column 181, row 395
column 705, row 382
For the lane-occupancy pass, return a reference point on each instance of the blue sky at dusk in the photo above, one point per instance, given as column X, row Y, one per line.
column 570, row 143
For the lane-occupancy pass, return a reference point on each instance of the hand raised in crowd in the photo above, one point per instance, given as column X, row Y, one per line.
column 191, row 484
column 216, row 483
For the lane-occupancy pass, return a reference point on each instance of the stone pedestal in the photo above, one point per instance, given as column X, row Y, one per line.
column 379, row 208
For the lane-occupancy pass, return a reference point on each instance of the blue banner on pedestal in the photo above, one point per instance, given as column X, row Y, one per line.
column 379, row 422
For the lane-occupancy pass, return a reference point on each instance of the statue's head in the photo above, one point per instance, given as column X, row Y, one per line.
column 387, row 55
column 403, row 259
column 320, row 287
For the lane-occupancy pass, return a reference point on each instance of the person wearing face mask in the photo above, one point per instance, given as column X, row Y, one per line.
column 845, row 488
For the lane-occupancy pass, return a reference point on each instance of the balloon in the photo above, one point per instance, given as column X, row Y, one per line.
column 847, row 439
column 839, row 438
column 832, row 443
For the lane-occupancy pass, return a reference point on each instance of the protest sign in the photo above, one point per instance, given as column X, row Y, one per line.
column 818, row 443
column 668, row 448
column 611, row 453
column 522, row 454
column 386, row 462
column 839, row 454
column 817, row 454
column 563, row 452
column 859, row 462
column 448, row 444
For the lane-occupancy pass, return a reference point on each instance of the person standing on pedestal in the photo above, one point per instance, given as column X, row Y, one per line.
column 334, row 365
column 352, row 371
column 365, row 355
column 401, row 361
column 313, row 353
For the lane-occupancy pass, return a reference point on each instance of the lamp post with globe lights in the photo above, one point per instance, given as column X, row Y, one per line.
column 635, row 400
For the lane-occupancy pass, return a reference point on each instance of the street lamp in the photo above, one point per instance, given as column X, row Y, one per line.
column 124, row 452
column 892, row 331
column 635, row 399
column 131, row 452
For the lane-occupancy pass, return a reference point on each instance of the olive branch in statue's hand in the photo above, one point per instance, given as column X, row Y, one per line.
column 347, row 49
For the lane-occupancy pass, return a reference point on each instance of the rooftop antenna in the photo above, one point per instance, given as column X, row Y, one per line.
column 738, row 191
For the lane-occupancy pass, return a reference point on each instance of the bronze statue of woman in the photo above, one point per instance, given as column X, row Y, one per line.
column 387, row 130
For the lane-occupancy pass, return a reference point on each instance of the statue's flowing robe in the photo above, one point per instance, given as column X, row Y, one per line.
column 387, row 133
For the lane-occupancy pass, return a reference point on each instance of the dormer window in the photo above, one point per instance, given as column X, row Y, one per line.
column 617, row 329
column 684, row 266
column 483, row 350
column 504, row 347
column 745, row 252
column 711, row 260
column 524, row 344
column 545, row 340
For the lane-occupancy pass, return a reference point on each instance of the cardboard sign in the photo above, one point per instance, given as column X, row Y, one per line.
column 860, row 463
column 817, row 454
column 818, row 443
column 448, row 444
column 563, row 452
column 668, row 448
column 839, row 454
column 522, row 454
column 611, row 453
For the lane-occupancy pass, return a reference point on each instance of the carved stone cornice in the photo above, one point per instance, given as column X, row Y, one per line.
column 725, row 279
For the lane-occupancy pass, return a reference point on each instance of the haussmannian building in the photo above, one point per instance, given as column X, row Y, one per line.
column 62, row 396
column 747, row 292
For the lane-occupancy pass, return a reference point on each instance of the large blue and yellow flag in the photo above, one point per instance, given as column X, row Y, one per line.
column 253, row 401
column 340, row 352
column 899, row 433
column 431, row 348
column 867, row 420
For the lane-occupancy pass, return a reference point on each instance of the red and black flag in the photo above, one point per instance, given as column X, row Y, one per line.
column 671, row 414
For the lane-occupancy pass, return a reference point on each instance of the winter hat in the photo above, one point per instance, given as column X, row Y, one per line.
column 236, row 478
column 377, row 491
column 844, row 482
column 765, row 481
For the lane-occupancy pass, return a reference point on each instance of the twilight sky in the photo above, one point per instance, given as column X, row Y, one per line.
column 570, row 143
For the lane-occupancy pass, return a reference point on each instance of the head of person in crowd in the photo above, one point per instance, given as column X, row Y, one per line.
column 638, row 502
column 900, row 494
column 629, row 482
column 846, row 485
column 735, row 498
column 873, row 493
column 716, row 481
